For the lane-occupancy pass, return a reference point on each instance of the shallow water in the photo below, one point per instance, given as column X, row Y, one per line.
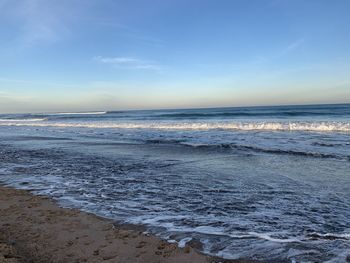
column 277, row 190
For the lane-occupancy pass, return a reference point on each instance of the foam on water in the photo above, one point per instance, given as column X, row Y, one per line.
column 266, row 219
column 244, row 188
column 244, row 126
column 182, row 243
column 78, row 113
column 13, row 121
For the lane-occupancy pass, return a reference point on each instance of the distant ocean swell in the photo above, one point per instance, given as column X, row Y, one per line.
column 245, row 114
column 323, row 112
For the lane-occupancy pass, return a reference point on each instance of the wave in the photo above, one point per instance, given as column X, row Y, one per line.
column 78, row 113
column 265, row 150
column 244, row 126
column 162, row 221
column 23, row 120
column 116, row 112
column 328, row 236
column 323, row 144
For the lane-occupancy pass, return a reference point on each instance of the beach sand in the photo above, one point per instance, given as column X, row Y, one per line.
column 36, row 229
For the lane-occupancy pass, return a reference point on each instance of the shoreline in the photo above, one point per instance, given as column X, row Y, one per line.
column 35, row 229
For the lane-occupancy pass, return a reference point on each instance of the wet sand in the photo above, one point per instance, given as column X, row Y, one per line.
column 35, row 229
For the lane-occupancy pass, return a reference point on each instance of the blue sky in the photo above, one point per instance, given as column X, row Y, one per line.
column 63, row 55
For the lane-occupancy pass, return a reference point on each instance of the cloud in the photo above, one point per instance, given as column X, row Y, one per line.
column 38, row 21
column 127, row 31
column 293, row 46
column 42, row 22
column 129, row 63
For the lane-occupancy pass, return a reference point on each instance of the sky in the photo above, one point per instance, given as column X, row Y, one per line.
column 64, row 55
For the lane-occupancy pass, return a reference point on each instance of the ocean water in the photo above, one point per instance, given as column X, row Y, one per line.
column 264, row 183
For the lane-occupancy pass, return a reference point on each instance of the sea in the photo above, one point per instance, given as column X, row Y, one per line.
column 258, row 183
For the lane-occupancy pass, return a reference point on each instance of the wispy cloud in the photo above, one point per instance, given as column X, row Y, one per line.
column 37, row 21
column 129, row 32
column 129, row 63
column 293, row 46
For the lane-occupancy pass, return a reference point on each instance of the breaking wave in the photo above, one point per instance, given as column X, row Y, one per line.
column 245, row 126
column 78, row 113
column 22, row 120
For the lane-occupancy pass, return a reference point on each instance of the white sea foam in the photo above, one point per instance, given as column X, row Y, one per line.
column 78, row 113
column 270, row 237
column 22, row 120
column 184, row 241
column 245, row 126
column 225, row 231
column 215, row 231
column 332, row 235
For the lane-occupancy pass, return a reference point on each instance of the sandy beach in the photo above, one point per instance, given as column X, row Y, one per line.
column 35, row 229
